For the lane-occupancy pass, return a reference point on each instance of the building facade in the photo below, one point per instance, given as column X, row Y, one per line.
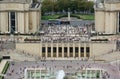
column 107, row 16
column 19, row 16
column 68, row 50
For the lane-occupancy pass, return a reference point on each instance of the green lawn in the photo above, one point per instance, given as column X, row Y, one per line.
column 87, row 17
column 50, row 17
column 82, row 16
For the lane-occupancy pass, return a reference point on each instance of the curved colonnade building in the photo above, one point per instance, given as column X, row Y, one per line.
column 23, row 16
column 59, row 42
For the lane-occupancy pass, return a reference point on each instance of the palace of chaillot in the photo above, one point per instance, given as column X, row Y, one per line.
column 37, row 51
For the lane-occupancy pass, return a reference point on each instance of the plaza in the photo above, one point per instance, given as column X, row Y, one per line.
column 72, row 68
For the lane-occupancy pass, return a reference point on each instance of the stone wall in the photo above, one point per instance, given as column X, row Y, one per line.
column 96, row 49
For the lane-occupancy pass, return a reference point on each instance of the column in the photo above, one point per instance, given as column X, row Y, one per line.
column 21, row 22
column 91, row 51
column 62, row 50
column 52, row 49
column 67, row 50
column 115, row 22
column 85, row 50
column 34, row 21
column 0, row 21
column 26, row 28
column 46, row 51
column 4, row 22
column 57, row 49
column 79, row 50
column 16, row 22
column 118, row 19
column 99, row 21
column 73, row 50
column 112, row 22
column 40, row 49
column 107, row 22
column 9, row 25
column 38, row 20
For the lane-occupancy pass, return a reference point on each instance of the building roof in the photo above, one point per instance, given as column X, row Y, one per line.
column 33, row 6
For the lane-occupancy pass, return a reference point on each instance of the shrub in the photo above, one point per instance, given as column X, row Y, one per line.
column 4, row 70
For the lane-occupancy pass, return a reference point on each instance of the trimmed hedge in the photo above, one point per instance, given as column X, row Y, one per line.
column 0, row 59
column 78, row 16
column 4, row 70
column 32, row 39
column 72, row 15
column 1, row 77
column 99, row 39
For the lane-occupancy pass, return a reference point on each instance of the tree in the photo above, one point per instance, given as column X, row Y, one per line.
column 34, row 1
column 63, row 5
column 46, row 6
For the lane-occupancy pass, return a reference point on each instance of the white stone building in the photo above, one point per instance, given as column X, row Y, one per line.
column 107, row 16
column 19, row 16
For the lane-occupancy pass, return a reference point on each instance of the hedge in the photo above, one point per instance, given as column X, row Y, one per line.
column 99, row 39
column 72, row 15
column 0, row 59
column 4, row 70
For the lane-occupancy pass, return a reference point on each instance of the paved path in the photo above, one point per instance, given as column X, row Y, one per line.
column 17, row 70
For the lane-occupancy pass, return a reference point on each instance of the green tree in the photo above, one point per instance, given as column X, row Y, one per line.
column 46, row 6
column 60, row 5
column 34, row 1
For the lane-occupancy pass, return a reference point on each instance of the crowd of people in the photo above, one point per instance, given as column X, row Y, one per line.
column 65, row 33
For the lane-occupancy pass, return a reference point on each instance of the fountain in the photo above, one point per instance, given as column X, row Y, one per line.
column 60, row 74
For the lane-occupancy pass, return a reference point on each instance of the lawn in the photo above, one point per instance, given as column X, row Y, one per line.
column 50, row 17
column 82, row 16
column 86, row 17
